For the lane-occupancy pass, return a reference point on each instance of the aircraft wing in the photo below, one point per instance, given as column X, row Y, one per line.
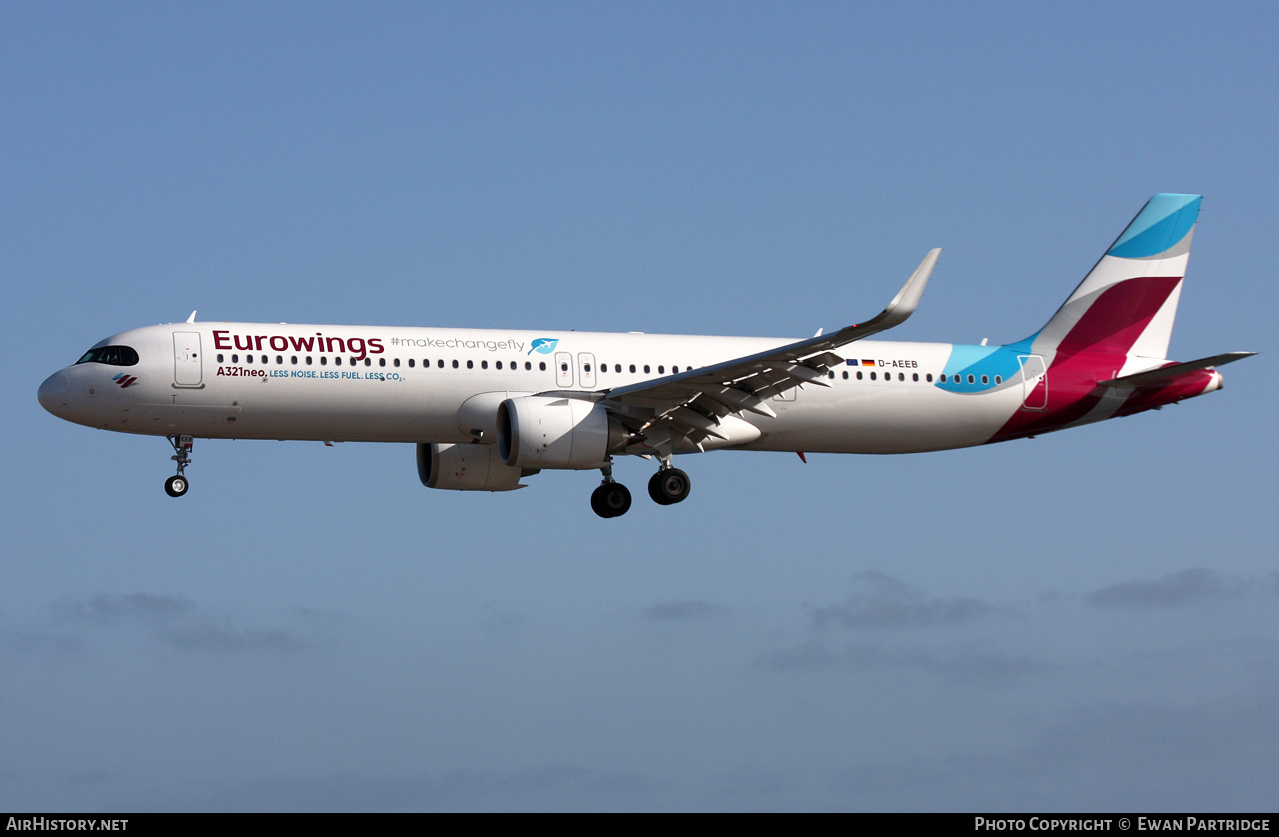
column 689, row 405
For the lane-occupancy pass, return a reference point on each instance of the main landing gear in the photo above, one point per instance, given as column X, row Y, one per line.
column 612, row 499
column 177, row 485
column 668, row 486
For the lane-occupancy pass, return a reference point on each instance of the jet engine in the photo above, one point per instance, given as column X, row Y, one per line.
column 539, row 431
column 467, row 468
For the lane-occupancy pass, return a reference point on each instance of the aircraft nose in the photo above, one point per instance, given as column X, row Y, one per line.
column 55, row 393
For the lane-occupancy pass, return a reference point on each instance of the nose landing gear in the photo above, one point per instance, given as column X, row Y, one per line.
column 177, row 485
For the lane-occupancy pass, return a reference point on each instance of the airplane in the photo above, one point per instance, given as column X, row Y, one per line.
column 489, row 408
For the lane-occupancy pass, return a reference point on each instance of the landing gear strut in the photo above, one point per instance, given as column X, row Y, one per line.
column 177, row 485
column 610, row 499
column 669, row 486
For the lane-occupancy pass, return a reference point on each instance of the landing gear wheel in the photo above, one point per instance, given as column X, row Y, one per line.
column 612, row 499
column 177, row 485
column 669, row 486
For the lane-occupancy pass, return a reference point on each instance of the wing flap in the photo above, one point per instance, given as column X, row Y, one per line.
column 734, row 400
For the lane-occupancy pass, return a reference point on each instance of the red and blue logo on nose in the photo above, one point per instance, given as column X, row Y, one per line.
column 125, row 381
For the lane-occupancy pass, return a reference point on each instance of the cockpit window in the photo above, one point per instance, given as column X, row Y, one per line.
column 110, row 355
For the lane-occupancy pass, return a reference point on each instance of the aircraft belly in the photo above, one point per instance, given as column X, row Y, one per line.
column 892, row 420
column 205, row 420
column 372, row 409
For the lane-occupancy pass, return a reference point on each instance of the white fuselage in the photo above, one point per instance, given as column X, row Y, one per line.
column 380, row 384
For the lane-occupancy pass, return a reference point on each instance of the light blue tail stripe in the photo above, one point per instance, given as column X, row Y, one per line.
column 1165, row 221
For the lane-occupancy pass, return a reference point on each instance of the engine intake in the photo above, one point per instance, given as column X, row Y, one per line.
column 538, row 431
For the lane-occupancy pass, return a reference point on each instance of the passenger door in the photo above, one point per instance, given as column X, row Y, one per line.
column 187, row 362
column 586, row 370
column 563, row 370
column 1034, row 382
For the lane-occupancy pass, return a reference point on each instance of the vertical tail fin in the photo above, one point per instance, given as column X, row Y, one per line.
column 1126, row 305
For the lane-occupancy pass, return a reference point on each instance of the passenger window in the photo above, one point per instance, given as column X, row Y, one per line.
column 470, row 364
column 484, row 364
column 999, row 379
column 541, row 366
column 219, row 359
column 380, row 361
column 337, row 361
column 632, row 367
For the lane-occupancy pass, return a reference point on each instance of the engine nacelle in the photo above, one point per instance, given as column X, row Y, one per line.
column 538, row 431
column 466, row 468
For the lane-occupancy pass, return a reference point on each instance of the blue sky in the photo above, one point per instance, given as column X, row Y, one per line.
column 1082, row 621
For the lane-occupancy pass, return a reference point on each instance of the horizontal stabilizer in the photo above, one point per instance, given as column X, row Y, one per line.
column 1166, row 374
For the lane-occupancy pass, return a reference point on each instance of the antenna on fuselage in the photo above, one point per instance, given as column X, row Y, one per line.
column 191, row 318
